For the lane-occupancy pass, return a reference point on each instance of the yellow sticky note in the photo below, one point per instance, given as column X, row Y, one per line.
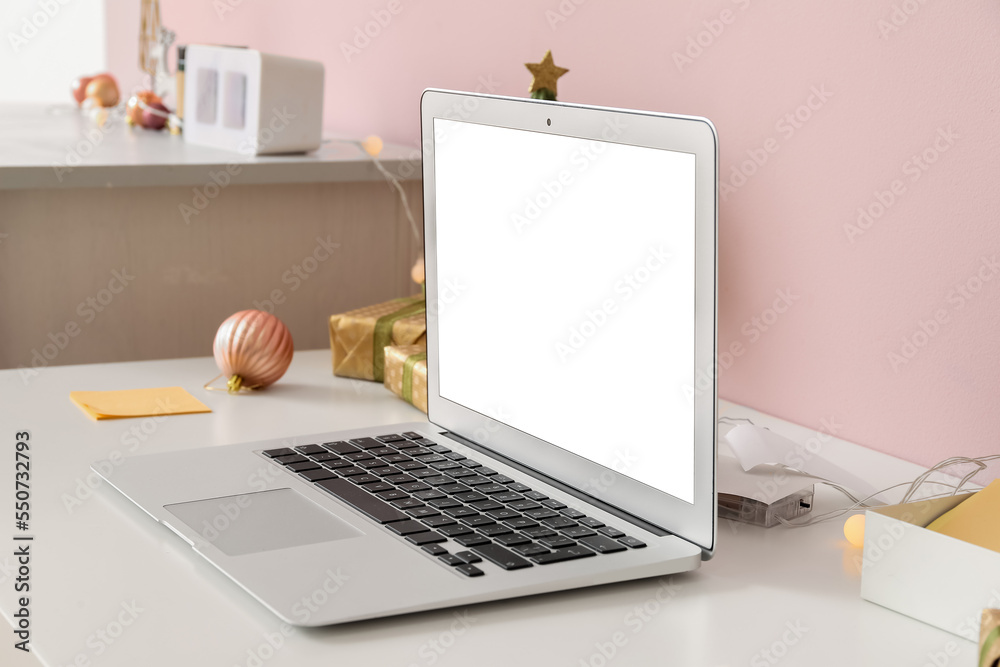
column 137, row 403
column 976, row 520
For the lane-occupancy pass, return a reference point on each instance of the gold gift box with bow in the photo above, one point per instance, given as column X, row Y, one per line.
column 406, row 373
column 358, row 338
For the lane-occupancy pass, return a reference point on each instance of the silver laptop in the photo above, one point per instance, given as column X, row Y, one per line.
column 571, row 342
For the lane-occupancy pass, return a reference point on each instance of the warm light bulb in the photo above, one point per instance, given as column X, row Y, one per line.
column 854, row 530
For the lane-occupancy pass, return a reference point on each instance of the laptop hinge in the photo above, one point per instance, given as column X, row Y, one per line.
column 551, row 481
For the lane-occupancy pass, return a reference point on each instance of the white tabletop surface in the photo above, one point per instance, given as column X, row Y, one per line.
column 776, row 596
column 58, row 146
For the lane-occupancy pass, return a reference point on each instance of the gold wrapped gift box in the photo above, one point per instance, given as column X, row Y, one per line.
column 358, row 338
column 406, row 373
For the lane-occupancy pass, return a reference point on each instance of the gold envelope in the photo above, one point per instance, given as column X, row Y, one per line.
column 406, row 373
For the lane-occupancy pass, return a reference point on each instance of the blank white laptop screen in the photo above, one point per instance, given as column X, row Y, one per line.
column 566, row 293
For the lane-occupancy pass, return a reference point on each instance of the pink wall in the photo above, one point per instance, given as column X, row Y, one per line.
column 889, row 91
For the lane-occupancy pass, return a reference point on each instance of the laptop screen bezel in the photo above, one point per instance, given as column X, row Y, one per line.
column 696, row 521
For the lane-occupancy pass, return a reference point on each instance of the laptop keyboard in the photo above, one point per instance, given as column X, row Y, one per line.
column 428, row 494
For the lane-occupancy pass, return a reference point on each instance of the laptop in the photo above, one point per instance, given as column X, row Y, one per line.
column 571, row 434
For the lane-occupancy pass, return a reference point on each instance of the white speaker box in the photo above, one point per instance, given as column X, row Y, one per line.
column 251, row 102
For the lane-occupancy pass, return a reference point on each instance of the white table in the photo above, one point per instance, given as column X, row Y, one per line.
column 767, row 593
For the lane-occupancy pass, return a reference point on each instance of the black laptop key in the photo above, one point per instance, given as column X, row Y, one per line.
column 538, row 531
column 399, row 478
column 318, row 474
column 392, row 437
column 602, row 544
column 578, row 531
column 440, row 449
column 396, row 458
column 468, row 557
column 503, row 513
column 556, row 542
column 421, row 512
column 501, row 556
column 469, row 463
column 454, row 530
column 511, row 539
column 361, row 500
column 375, row 487
column 476, row 520
column 450, row 559
column 569, row 553
column 410, row 487
column 539, row 514
column 334, row 465
column 491, row 488
column 358, row 456
column 553, row 504
column 558, row 522
column 632, row 542
column 290, row 460
column 470, row 497
column 455, row 488
column 459, row 512
column 340, row 447
column 281, row 451
column 611, row 532
column 394, row 494
column 529, row 549
column 471, row 540
column 459, row 473
column 429, row 537
column 475, row 480
column 435, row 521
column 508, row 497
column 485, row 505
column 502, row 479
column 310, row 449
column 520, row 488
column 362, row 479
column 418, row 451
column 420, row 473
column 406, row 527
column 445, row 465
column 347, row 472
column 494, row 530
column 412, row 435
column 571, row 513
column 455, row 456
column 440, row 480
column 442, row 503
column 425, row 442
column 412, row 465
column 469, row 570
column 522, row 505
column 430, row 457
column 366, row 443
column 590, row 522
column 407, row 503
column 404, row 445
column 434, row 549
column 371, row 463
column 486, row 472
column 429, row 494
column 324, row 457
column 535, row 495
column 520, row 523
column 303, row 466
column 383, row 451
column 387, row 471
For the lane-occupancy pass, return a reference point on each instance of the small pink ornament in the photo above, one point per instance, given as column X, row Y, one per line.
column 253, row 349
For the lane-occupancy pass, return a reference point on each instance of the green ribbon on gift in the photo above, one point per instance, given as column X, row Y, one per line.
column 408, row 365
column 988, row 643
column 383, row 331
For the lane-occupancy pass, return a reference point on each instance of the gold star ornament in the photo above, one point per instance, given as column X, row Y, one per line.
column 545, row 73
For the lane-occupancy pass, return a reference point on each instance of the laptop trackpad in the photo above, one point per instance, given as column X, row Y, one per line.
column 254, row 522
